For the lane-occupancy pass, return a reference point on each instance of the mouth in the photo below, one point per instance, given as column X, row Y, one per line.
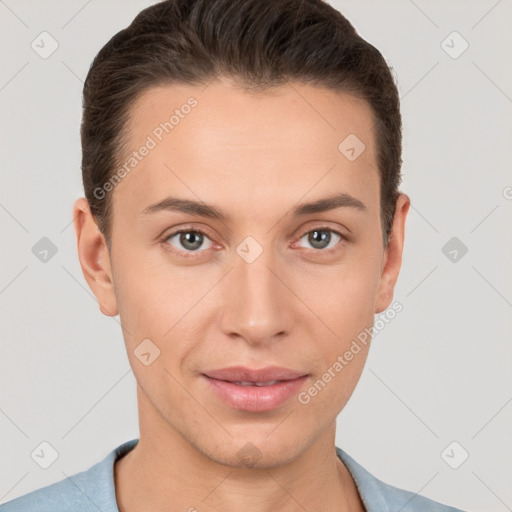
column 259, row 384
column 264, row 376
column 254, row 390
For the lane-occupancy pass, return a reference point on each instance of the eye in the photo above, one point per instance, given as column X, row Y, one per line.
column 187, row 240
column 322, row 238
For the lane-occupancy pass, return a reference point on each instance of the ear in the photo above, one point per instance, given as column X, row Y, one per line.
column 392, row 260
column 94, row 257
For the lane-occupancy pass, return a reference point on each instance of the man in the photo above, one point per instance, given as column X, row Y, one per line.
column 241, row 164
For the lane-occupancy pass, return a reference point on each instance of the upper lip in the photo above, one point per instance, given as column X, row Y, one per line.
column 243, row 374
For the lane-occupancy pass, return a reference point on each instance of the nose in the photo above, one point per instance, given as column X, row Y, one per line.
column 257, row 305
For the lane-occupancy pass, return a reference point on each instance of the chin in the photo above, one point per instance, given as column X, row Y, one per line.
column 256, row 452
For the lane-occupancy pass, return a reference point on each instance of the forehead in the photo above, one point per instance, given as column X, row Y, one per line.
column 215, row 140
column 252, row 118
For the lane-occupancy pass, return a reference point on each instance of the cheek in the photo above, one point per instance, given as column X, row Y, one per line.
column 342, row 301
column 141, row 295
column 159, row 302
column 341, row 348
column 344, row 297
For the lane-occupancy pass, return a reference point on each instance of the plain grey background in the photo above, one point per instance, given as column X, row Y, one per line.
column 439, row 373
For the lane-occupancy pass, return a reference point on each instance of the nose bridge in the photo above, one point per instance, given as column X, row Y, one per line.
column 257, row 304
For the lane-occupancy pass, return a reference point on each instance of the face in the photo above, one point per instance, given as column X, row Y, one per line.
column 248, row 276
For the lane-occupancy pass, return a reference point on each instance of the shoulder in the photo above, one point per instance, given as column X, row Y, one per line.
column 382, row 497
column 87, row 491
column 66, row 495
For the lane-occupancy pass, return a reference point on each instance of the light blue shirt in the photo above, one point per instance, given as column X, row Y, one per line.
column 94, row 491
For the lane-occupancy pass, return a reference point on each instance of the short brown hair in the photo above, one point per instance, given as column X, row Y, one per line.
column 261, row 44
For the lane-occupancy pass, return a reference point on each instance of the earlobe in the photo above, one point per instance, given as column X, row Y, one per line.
column 392, row 260
column 94, row 257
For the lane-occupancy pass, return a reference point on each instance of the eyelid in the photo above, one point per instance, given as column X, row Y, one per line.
column 322, row 227
column 185, row 229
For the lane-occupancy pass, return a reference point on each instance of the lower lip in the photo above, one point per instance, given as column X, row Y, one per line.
column 256, row 398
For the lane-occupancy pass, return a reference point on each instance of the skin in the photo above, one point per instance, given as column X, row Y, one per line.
column 253, row 156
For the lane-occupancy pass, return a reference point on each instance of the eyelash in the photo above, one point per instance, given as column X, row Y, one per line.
column 192, row 254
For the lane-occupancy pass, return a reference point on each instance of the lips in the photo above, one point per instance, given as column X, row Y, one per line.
column 240, row 374
column 254, row 390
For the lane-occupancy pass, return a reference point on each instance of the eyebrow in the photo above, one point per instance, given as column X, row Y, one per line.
column 201, row 209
